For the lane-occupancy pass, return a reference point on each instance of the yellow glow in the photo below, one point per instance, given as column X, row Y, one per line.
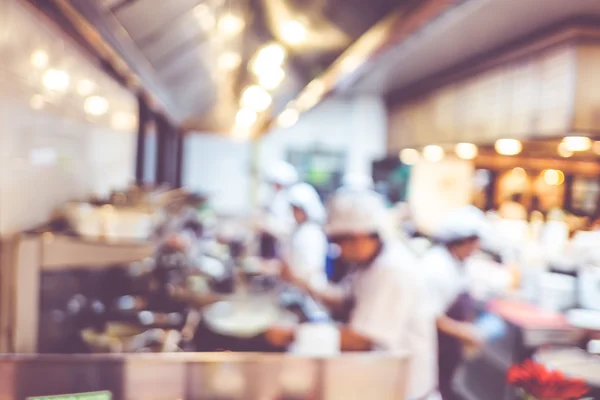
column 577, row 143
column 56, row 80
column 205, row 17
column 229, row 60
column 409, row 156
column 123, row 121
column 272, row 79
column 466, row 151
column 256, row 98
column 433, row 153
column 508, row 147
column 288, row 118
column 245, row 118
column 553, row 177
column 596, row 148
column 231, row 25
column 519, row 172
column 293, row 32
column 39, row 59
column 85, row 87
column 95, row 105
column 268, row 58
column 563, row 150
column 311, row 95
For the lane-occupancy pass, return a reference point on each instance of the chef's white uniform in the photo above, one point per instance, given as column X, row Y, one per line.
column 445, row 278
column 389, row 297
column 307, row 254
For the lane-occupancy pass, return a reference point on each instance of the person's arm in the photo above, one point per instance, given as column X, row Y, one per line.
column 463, row 331
column 351, row 340
column 332, row 297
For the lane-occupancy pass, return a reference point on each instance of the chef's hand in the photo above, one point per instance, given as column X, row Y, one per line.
column 280, row 336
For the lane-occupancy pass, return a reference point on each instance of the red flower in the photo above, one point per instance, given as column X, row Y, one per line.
column 538, row 381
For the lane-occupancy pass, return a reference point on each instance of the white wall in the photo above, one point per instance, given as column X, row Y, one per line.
column 223, row 167
column 51, row 150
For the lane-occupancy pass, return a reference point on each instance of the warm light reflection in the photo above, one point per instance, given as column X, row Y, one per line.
column 95, row 105
column 433, row 153
column 231, row 25
column 577, row 143
column 256, row 98
column 229, row 60
column 123, row 121
column 311, row 95
column 519, row 172
column 596, row 148
column 245, row 118
column 466, row 151
column 39, row 59
column 508, row 147
column 85, row 87
column 205, row 17
column 268, row 58
column 272, row 79
column 553, row 177
column 563, row 150
column 293, row 32
column 288, row 118
column 409, row 156
column 56, row 80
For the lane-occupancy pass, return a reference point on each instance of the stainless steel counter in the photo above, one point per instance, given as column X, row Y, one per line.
column 243, row 376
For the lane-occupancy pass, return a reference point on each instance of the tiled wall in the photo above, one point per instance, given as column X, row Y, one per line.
column 67, row 130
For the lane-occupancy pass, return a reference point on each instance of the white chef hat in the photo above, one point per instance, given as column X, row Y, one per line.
column 461, row 223
column 305, row 197
column 357, row 182
column 361, row 212
column 282, row 173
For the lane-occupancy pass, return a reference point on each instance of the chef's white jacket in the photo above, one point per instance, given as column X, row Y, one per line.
column 445, row 279
column 307, row 253
column 278, row 220
column 389, row 297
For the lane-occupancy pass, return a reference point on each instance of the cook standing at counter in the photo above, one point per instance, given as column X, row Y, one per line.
column 386, row 292
column 306, row 252
column 458, row 238
column 277, row 222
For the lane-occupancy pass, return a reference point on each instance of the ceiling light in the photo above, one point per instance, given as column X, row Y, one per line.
column 508, row 147
column 272, row 79
column 85, row 87
column 37, row 102
column 311, row 95
column 553, row 177
column 288, row 118
column 577, row 143
column 256, row 98
column 123, row 121
column 245, row 118
column 39, row 59
column 293, row 32
column 230, row 60
column 433, row 153
column 519, row 172
column 95, row 105
column 563, row 150
column 231, row 25
column 205, row 17
column 56, row 80
column 268, row 59
column 409, row 156
column 466, row 151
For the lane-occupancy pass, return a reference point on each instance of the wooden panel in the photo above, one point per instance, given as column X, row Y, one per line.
column 398, row 130
column 587, row 93
column 555, row 105
column 425, row 128
column 525, row 85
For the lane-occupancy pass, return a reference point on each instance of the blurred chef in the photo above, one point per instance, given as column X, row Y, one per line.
column 278, row 221
column 458, row 236
column 307, row 250
column 385, row 293
column 356, row 182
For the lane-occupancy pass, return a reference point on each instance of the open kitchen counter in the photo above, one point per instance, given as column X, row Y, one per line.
column 206, row 376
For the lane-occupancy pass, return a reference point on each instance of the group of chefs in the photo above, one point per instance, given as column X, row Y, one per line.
column 395, row 301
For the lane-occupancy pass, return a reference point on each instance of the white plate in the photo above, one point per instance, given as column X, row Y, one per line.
column 584, row 319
